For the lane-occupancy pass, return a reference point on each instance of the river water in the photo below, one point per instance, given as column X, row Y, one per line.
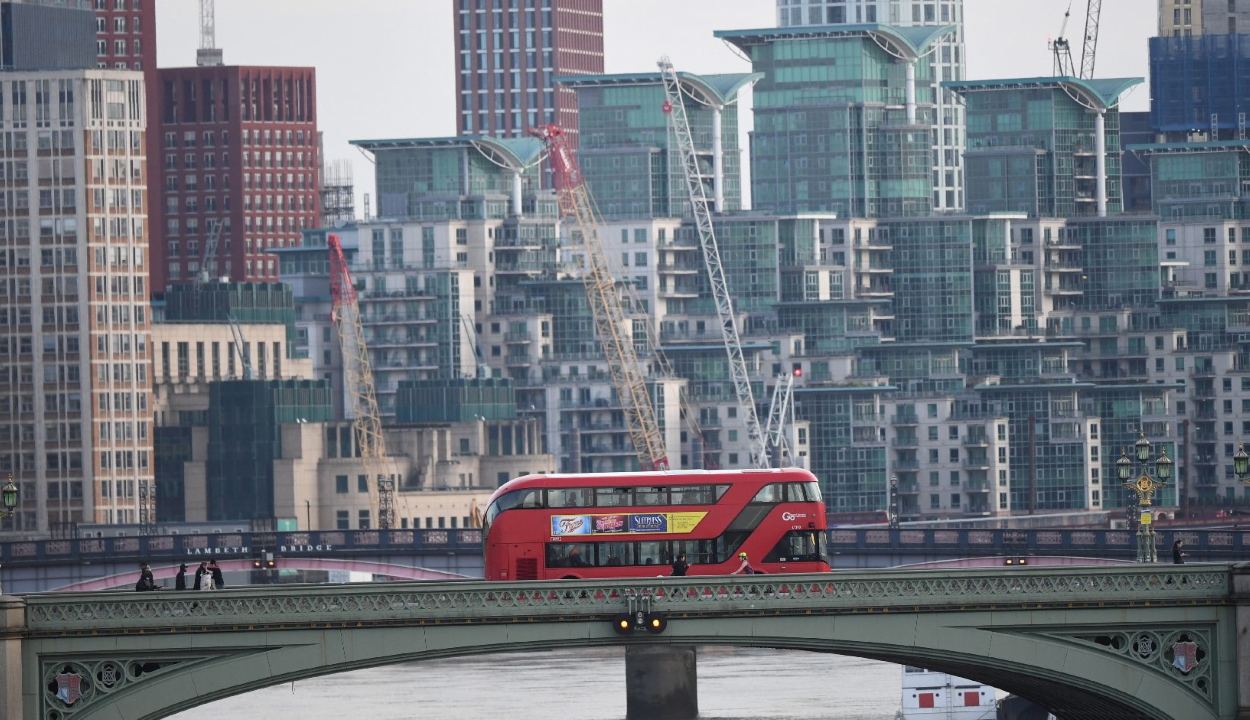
column 588, row 684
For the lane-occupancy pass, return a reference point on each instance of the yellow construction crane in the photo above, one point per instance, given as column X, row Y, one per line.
column 614, row 327
column 358, row 380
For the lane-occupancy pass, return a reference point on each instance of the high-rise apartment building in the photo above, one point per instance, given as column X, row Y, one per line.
column 507, row 54
column 843, row 117
column 1179, row 18
column 75, row 391
column 126, row 34
column 946, row 63
column 1046, row 147
column 238, row 147
column 628, row 154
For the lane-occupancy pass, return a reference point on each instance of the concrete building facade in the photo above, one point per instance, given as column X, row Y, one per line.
column 76, row 406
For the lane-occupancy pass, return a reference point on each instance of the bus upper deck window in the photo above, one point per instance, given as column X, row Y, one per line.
column 531, row 499
column 614, row 497
column 650, row 496
column 569, row 497
column 803, row 492
column 769, row 494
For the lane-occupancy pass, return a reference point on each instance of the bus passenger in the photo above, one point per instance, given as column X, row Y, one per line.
column 745, row 568
column 576, row 559
column 680, row 566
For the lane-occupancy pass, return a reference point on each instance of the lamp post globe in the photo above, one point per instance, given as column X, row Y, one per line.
column 1142, row 449
column 1124, row 466
column 8, row 496
column 1163, row 468
column 1241, row 462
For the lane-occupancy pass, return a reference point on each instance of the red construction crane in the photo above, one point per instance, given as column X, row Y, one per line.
column 614, row 327
column 358, row 381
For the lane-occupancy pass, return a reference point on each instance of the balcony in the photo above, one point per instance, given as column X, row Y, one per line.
column 905, row 442
column 517, row 338
column 905, row 419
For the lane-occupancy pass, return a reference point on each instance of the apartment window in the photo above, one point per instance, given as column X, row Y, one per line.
column 342, row 520
column 340, row 484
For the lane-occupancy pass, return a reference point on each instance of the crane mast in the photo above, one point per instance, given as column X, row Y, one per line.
column 676, row 108
column 1062, row 49
column 605, row 304
column 1093, row 15
column 358, row 379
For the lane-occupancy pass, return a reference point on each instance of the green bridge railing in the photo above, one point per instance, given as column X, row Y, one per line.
column 478, row 601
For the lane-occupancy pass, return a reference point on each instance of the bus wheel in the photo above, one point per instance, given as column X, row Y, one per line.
column 570, row 577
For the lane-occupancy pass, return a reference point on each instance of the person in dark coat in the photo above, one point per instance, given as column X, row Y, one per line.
column 680, row 566
column 146, row 581
column 1178, row 557
column 180, row 580
column 200, row 573
column 218, row 582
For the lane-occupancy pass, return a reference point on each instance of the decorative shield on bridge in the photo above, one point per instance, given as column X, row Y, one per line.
column 68, row 687
column 1186, row 656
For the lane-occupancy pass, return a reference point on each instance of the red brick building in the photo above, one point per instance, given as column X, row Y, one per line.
column 238, row 145
column 502, row 52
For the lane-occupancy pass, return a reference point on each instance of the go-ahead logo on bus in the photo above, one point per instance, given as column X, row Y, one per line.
column 650, row 523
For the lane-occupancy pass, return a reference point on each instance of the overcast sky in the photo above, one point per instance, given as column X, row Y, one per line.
column 385, row 68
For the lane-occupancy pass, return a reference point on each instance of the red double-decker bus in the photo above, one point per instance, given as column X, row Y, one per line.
column 541, row 527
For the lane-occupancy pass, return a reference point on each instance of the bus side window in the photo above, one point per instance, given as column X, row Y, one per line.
column 567, row 498
column 769, row 494
column 613, row 497
column 651, row 496
column 803, row 492
column 532, row 499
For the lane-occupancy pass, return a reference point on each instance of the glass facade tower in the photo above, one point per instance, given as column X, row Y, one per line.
column 946, row 63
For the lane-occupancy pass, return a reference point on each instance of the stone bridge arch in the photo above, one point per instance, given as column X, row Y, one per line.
column 1090, row 643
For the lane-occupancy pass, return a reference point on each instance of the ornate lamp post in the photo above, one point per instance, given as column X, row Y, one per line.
column 893, row 512
column 8, row 497
column 1241, row 464
column 1145, row 487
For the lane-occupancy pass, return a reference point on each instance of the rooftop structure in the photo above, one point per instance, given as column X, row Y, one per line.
column 455, row 177
column 628, row 157
column 945, row 60
column 843, row 118
column 1048, row 147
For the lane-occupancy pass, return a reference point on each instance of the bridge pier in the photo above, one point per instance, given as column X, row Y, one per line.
column 12, row 626
column 661, row 682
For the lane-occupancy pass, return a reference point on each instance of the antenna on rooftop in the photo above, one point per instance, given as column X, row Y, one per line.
column 209, row 53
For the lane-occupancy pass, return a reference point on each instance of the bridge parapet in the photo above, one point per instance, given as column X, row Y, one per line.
column 1030, row 587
